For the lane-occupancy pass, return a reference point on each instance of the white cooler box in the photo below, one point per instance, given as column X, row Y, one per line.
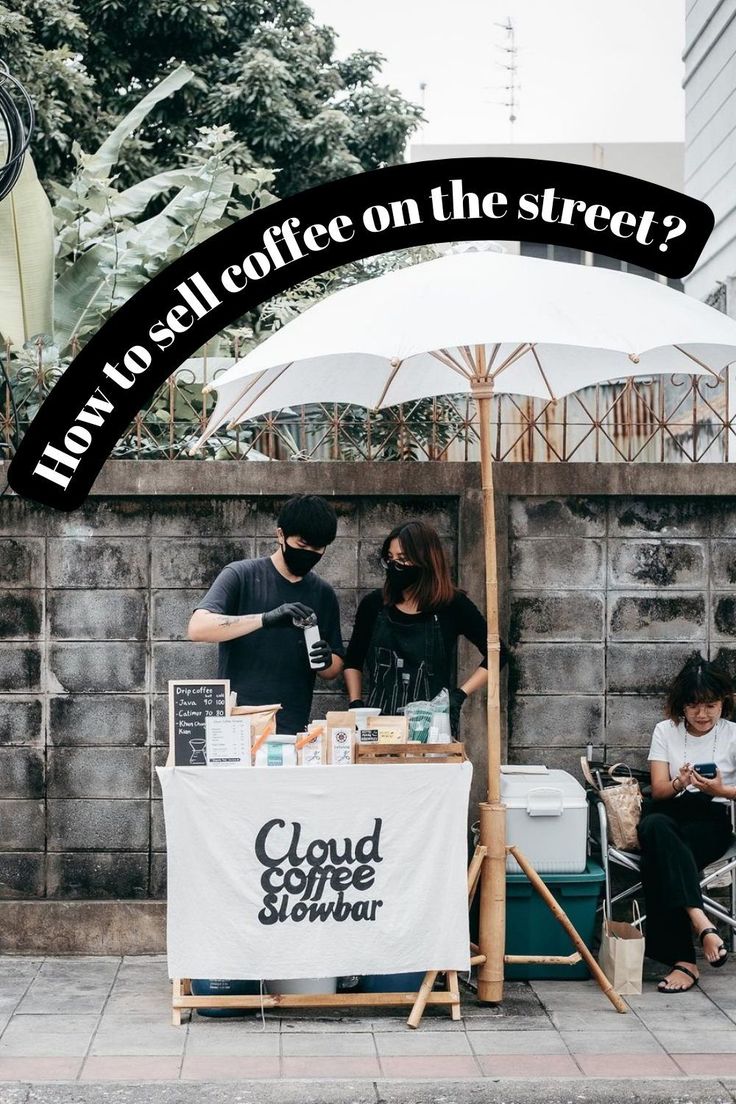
column 546, row 818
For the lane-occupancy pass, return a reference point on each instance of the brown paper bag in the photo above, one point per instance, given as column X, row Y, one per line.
column 621, row 956
column 262, row 722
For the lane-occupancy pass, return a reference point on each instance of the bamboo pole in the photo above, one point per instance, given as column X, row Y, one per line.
column 423, row 996
column 563, row 919
column 474, row 873
column 543, row 960
column 492, row 933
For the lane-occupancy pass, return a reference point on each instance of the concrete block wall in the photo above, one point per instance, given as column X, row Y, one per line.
column 609, row 595
column 609, row 577
column 93, row 616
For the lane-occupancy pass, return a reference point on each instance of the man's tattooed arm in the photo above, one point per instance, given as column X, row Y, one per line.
column 216, row 628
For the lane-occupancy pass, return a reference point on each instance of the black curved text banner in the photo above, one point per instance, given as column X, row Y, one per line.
column 463, row 199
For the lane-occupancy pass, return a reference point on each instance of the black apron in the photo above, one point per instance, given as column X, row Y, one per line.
column 405, row 662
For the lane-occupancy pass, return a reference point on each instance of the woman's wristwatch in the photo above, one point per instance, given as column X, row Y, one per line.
column 677, row 789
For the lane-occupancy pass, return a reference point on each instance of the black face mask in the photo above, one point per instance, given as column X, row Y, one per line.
column 299, row 561
column 400, row 579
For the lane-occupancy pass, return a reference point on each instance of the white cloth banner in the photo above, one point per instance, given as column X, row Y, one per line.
column 292, row 872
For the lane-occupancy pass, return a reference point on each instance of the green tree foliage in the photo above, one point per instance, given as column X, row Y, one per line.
column 42, row 42
column 263, row 68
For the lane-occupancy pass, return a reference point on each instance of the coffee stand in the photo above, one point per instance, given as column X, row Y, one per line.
column 423, row 806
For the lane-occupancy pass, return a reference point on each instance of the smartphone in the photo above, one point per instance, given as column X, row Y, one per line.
column 706, row 770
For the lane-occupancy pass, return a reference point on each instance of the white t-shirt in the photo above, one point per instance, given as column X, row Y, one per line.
column 673, row 745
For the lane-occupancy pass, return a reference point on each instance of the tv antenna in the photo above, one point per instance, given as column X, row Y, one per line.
column 511, row 66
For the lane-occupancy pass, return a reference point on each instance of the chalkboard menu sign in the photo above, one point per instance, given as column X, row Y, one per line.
column 190, row 702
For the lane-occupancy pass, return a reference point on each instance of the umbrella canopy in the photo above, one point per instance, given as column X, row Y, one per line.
column 532, row 327
column 484, row 323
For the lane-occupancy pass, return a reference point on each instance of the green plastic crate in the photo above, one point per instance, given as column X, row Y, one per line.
column 532, row 929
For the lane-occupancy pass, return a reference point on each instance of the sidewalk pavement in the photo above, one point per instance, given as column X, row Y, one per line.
column 68, row 1025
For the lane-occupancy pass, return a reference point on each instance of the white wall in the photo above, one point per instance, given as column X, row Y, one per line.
column 660, row 162
column 710, row 135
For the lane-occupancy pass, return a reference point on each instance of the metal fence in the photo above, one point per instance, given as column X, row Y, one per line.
column 672, row 418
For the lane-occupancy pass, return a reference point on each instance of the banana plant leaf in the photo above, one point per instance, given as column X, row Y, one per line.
column 100, row 164
column 26, row 260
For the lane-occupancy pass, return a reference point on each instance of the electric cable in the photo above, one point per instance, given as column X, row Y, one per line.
column 18, row 124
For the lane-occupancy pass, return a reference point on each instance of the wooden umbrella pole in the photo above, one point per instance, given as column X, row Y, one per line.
column 492, row 931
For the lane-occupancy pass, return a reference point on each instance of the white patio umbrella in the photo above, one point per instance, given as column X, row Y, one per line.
column 478, row 323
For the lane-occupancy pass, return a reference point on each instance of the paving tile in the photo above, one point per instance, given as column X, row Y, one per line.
column 700, row 1021
column 627, row 1064
column 611, row 1042
column 127, row 1068
column 133, row 1003
column 14, row 968
column 695, row 1042
column 47, row 1036
column 228, row 1038
column 39, row 1069
column 352, row 1044
column 517, row 1042
column 533, row 1065
column 570, row 991
column 653, row 1001
column 430, row 1024
column 143, row 987
column 509, row 1023
column 406, row 1042
column 11, row 995
column 434, row 1069
column 319, row 1026
column 228, row 1069
column 119, row 1035
column 710, row 1065
column 250, row 1024
column 77, row 986
column 594, row 1019
column 329, row 1068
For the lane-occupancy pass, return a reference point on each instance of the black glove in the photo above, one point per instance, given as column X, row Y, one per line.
column 286, row 615
column 457, row 700
column 356, row 703
column 320, row 654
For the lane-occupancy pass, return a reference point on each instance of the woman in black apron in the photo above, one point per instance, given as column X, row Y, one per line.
column 406, row 633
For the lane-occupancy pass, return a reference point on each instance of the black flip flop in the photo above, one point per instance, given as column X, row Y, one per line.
column 669, row 989
column 722, row 956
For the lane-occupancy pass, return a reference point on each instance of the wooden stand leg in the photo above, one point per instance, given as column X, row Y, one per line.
column 560, row 915
column 454, row 988
column 415, row 1017
column 176, row 1012
column 492, row 903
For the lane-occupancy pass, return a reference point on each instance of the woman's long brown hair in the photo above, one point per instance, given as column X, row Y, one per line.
column 421, row 544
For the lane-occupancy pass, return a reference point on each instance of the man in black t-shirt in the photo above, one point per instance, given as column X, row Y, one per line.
column 251, row 608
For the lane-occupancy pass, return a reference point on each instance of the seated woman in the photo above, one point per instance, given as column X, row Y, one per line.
column 406, row 634
column 686, row 825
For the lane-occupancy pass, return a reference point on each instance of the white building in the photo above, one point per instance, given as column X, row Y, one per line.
column 660, row 162
column 710, row 142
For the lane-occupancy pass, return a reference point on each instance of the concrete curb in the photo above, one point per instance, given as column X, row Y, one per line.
column 471, row 1091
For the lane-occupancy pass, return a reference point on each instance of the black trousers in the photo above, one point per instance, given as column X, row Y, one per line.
column 678, row 838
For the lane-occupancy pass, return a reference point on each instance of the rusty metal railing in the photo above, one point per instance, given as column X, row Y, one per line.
column 665, row 418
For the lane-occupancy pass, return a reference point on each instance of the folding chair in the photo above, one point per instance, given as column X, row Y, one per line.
column 631, row 860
